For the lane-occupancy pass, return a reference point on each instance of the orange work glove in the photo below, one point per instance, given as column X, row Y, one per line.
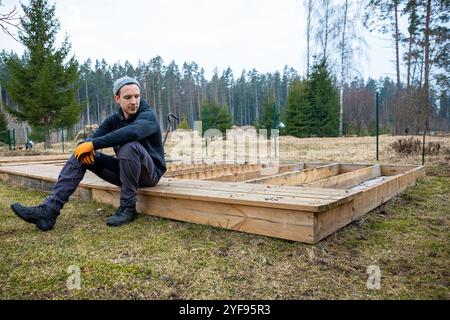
column 83, row 148
column 87, row 158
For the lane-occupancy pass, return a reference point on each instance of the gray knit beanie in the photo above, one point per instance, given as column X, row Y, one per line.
column 124, row 81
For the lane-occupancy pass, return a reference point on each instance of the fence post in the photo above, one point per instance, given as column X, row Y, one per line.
column 378, row 126
column 14, row 138
column 62, row 137
column 8, row 132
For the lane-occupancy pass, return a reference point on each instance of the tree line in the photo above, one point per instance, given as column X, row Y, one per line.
column 329, row 98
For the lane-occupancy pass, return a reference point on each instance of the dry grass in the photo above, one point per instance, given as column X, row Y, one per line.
column 153, row 258
column 351, row 149
column 343, row 149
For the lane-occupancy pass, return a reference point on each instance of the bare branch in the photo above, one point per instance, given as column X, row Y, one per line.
column 10, row 19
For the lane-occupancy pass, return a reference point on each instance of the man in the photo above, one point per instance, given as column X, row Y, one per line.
column 135, row 135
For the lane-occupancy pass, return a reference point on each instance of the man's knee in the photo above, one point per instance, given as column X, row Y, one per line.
column 130, row 150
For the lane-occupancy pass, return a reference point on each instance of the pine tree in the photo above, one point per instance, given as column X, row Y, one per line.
column 270, row 116
column 444, row 105
column 298, row 116
column 324, row 100
column 215, row 117
column 41, row 83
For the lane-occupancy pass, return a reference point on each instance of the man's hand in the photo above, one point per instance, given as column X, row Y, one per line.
column 87, row 158
column 84, row 148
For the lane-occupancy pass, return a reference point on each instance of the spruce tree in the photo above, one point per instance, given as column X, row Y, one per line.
column 215, row 117
column 270, row 116
column 324, row 102
column 298, row 116
column 42, row 83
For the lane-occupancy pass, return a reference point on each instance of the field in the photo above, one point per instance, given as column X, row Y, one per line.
column 152, row 258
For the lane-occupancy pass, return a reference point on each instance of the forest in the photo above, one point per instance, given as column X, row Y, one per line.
column 328, row 98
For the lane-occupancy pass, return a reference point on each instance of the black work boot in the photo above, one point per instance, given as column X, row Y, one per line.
column 42, row 216
column 122, row 216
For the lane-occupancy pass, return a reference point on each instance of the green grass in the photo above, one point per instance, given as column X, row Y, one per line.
column 153, row 258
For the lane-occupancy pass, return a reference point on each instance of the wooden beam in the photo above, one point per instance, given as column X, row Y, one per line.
column 329, row 221
column 182, row 169
column 393, row 170
column 349, row 179
column 348, row 167
column 298, row 178
column 55, row 162
column 216, row 172
column 251, row 175
column 237, row 177
column 274, row 222
column 34, row 158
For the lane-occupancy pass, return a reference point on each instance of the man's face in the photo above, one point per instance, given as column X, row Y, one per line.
column 128, row 98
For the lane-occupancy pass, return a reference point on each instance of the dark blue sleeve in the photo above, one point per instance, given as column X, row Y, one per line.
column 105, row 128
column 144, row 126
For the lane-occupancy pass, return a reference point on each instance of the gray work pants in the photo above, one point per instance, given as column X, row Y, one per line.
column 133, row 168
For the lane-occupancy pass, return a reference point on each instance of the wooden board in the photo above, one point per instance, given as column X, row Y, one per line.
column 349, row 179
column 250, row 175
column 34, row 158
column 300, row 177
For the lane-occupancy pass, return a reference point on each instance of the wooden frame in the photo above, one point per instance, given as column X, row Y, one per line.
column 301, row 202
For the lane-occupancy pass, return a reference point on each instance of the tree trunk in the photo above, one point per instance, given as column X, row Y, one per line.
column 308, row 34
column 161, row 114
column 88, row 116
column 199, row 108
column 327, row 17
column 427, row 68
column 408, row 75
column 256, row 104
column 397, row 39
column 47, row 143
column 341, row 91
column 397, row 63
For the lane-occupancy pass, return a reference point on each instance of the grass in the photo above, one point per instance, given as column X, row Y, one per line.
column 154, row 258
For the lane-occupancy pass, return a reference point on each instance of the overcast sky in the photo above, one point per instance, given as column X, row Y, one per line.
column 261, row 34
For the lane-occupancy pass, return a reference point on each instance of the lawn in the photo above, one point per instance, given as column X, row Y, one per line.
column 407, row 238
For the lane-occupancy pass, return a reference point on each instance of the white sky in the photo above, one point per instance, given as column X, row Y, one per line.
column 261, row 34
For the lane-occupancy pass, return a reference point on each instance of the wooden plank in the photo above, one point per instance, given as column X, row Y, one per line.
column 291, row 167
column 348, row 167
column 82, row 192
column 216, row 172
column 301, row 177
column 34, row 158
column 237, row 177
column 171, row 170
column 259, row 188
column 246, row 176
column 329, row 221
column 349, row 179
column 227, row 196
column 393, row 170
column 55, row 162
column 271, row 192
column 284, row 224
